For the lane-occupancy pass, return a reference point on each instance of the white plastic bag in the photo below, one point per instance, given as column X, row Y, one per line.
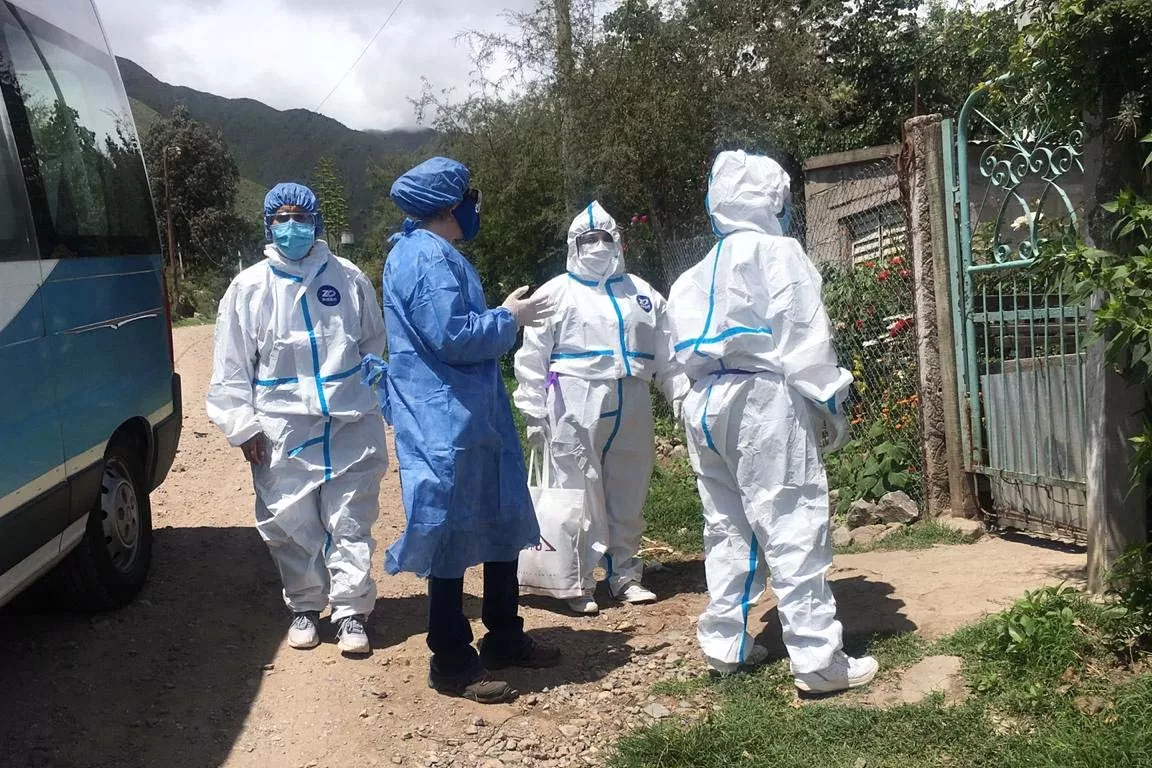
column 554, row 567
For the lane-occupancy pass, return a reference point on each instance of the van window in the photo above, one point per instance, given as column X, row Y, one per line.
column 73, row 128
column 16, row 240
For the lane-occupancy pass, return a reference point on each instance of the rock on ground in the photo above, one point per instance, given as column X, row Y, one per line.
column 862, row 513
column 867, row 535
column 841, row 536
column 972, row 530
column 935, row 674
column 897, row 507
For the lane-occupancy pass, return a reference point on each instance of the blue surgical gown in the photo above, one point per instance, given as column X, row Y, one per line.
column 462, row 470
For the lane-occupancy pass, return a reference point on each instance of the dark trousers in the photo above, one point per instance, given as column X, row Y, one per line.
column 449, row 634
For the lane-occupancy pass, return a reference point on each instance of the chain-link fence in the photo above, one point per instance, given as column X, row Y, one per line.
column 857, row 230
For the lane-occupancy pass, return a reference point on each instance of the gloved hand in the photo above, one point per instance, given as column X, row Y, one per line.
column 837, row 426
column 532, row 311
column 536, row 432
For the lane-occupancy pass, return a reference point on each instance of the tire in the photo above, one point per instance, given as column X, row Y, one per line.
column 109, row 566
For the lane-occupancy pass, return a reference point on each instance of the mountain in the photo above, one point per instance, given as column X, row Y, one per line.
column 271, row 145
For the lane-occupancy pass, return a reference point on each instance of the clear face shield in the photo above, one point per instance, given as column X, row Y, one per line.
column 597, row 251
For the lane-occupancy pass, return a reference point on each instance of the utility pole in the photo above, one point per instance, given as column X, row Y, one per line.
column 168, row 215
column 565, row 67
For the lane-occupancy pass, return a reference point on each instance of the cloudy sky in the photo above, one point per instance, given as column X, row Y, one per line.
column 290, row 53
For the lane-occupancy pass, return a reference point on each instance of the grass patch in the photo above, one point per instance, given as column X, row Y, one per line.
column 1052, row 682
column 922, row 535
column 898, row 651
column 673, row 513
column 682, row 689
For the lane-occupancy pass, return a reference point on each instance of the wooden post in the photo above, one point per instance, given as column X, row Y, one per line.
column 948, row 488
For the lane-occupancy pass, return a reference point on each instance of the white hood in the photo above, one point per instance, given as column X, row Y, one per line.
column 593, row 217
column 747, row 193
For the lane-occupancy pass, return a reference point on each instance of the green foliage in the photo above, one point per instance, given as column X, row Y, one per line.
column 869, row 469
column 1087, row 56
column 329, row 188
column 1130, row 582
column 673, row 513
column 202, row 180
column 1040, row 626
column 658, row 87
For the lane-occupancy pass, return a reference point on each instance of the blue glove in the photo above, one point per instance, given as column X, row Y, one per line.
column 374, row 373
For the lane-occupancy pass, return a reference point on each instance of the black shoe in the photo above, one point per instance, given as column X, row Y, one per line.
column 481, row 690
column 531, row 655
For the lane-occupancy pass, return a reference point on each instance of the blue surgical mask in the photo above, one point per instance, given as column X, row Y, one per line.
column 785, row 219
column 293, row 239
column 468, row 218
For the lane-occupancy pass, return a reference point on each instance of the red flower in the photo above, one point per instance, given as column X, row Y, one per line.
column 905, row 273
column 883, row 276
column 635, row 219
column 898, row 326
column 859, row 324
column 870, row 264
column 644, row 219
column 897, row 260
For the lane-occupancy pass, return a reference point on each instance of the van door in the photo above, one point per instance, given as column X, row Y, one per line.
column 34, row 497
column 103, row 299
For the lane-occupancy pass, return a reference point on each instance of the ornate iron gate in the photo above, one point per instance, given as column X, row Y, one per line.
column 1015, row 179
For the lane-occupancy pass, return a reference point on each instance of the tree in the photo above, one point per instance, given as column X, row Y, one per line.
column 202, row 180
column 329, row 188
column 656, row 88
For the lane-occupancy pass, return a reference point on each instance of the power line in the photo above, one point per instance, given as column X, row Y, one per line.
column 358, row 58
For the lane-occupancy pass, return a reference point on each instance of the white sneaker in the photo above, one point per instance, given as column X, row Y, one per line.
column 352, row 636
column 304, row 632
column 844, row 673
column 584, row 606
column 754, row 658
column 636, row 594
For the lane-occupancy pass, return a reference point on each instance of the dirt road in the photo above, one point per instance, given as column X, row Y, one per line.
column 196, row 673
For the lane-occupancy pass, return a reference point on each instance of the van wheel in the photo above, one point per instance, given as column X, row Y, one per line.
column 110, row 564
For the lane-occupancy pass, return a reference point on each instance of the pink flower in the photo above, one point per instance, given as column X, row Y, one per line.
column 635, row 219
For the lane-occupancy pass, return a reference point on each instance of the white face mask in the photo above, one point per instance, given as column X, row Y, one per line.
column 598, row 258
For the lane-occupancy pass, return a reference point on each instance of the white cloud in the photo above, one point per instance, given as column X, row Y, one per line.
column 290, row 53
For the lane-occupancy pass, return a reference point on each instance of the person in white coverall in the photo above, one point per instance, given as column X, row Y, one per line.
column 751, row 332
column 584, row 389
column 290, row 337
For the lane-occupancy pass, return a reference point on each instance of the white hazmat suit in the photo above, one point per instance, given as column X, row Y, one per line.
column 290, row 338
column 584, row 381
column 751, row 332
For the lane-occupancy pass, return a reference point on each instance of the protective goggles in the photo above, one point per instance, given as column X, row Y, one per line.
column 594, row 236
column 473, row 196
column 283, row 217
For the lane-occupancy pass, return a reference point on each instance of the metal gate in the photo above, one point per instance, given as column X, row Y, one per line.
column 1015, row 180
